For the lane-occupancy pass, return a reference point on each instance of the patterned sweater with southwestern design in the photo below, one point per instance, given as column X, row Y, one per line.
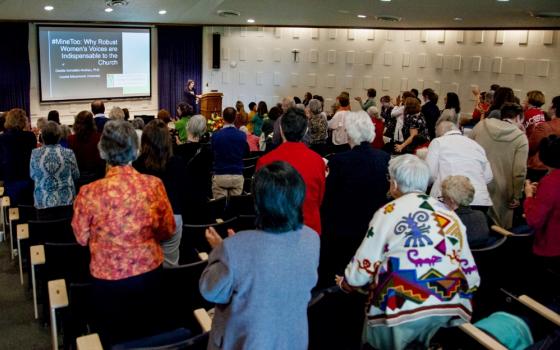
column 415, row 261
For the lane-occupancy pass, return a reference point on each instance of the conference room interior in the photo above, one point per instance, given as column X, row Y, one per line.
column 203, row 262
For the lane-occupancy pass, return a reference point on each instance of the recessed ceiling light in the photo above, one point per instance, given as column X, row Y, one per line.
column 344, row 11
column 386, row 0
column 108, row 9
column 250, row 20
column 503, row 0
column 362, row 16
column 458, row 19
column 48, row 8
column 162, row 12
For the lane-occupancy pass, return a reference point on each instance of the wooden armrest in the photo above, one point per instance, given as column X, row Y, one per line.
column 501, row 230
column 89, row 342
column 37, row 253
column 5, row 201
column 484, row 339
column 203, row 319
column 203, row 256
column 13, row 214
column 540, row 309
column 58, row 296
column 22, row 231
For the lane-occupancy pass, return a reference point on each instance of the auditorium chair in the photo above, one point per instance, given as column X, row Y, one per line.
column 249, row 171
column 245, row 222
column 252, row 159
column 243, row 204
column 193, row 240
column 179, row 339
column 214, row 210
column 248, row 185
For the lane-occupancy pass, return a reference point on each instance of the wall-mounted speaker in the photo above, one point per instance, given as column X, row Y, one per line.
column 216, row 51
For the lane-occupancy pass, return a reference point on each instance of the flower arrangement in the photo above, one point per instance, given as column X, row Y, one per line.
column 215, row 122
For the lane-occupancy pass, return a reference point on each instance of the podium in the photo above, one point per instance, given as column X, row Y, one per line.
column 211, row 102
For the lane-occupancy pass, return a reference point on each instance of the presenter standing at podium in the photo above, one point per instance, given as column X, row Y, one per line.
column 190, row 95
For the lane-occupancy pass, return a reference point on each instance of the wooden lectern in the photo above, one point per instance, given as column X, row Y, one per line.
column 211, row 102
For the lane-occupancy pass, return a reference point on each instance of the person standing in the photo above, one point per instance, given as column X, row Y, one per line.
column 229, row 146
column 98, row 110
column 369, row 102
column 190, row 95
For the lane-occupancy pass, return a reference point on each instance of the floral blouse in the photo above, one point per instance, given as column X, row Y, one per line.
column 415, row 121
column 123, row 217
column 318, row 128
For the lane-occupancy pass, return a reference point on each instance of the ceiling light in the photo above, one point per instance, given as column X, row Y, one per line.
column 108, row 9
column 362, row 16
column 386, row 0
column 503, row 0
column 458, row 19
column 49, row 8
column 162, row 12
column 250, row 20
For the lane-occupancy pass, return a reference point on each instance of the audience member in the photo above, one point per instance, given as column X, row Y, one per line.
column 542, row 206
column 502, row 95
column 396, row 123
column 336, row 124
column 53, row 169
column 379, row 127
column 318, row 127
column 483, row 101
column 198, row 158
column 251, row 115
column 126, row 114
column 156, row 158
column 84, row 144
column 241, row 117
column 258, row 120
column 241, row 277
column 412, row 242
column 506, row 148
column 285, row 104
column 452, row 109
column 123, row 218
column 308, row 163
column 252, row 140
column 430, row 110
column 98, row 110
column 370, row 101
column 454, row 154
column 16, row 144
column 532, row 111
column 308, row 96
column 457, row 193
column 267, row 136
column 229, row 146
column 54, row 116
column 351, row 194
column 415, row 92
column 535, row 167
column 65, row 133
column 184, row 113
column 414, row 129
column 138, row 124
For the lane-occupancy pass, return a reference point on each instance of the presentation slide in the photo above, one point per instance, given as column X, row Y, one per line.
column 78, row 63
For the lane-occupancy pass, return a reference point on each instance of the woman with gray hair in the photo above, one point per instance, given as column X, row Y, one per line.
column 138, row 124
column 379, row 124
column 116, row 113
column 416, row 263
column 54, row 169
column 198, row 158
column 318, row 127
column 457, row 193
column 123, row 218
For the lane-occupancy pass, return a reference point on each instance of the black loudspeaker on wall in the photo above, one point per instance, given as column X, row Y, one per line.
column 216, row 51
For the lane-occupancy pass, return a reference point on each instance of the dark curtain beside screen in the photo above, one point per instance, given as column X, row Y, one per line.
column 14, row 66
column 179, row 59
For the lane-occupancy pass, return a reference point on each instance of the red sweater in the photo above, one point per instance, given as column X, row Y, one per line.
column 543, row 215
column 312, row 168
column 378, row 140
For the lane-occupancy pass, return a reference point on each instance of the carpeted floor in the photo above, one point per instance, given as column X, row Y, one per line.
column 18, row 328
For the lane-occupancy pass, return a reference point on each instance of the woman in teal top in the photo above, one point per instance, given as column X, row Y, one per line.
column 258, row 119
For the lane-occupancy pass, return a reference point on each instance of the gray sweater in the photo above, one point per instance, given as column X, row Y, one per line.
column 261, row 283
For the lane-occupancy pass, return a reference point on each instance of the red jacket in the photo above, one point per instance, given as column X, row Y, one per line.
column 543, row 215
column 312, row 168
column 379, row 127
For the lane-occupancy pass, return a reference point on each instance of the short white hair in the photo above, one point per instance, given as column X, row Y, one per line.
column 373, row 112
column 410, row 173
column 445, row 126
column 359, row 127
column 196, row 125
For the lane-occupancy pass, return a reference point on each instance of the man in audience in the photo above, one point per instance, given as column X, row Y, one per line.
column 308, row 163
column 451, row 153
column 229, row 146
column 98, row 110
column 336, row 124
column 285, row 104
column 507, row 149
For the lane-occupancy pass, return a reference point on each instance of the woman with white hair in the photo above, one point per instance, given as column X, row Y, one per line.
column 379, row 124
column 416, row 263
